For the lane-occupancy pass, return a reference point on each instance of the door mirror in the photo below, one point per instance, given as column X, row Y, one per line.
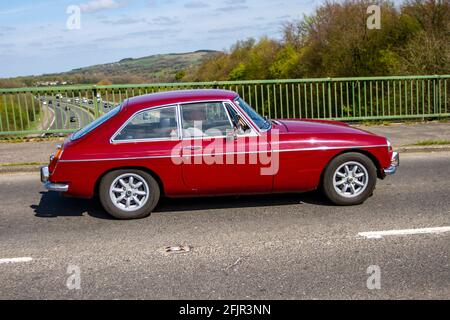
column 242, row 126
column 232, row 135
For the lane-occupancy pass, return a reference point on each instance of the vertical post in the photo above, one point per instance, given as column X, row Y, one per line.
column 445, row 97
column 6, row 112
column 335, row 100
column 353, row 99
column 256, row 99
column 20, row 111
column 359, row 99
column 1, row 121
column 300, row 101
column 312, row 99
column 26, row 109
column 306, row 100
column 382, row 98
column 342, row 98
column 96, row 109
column 434, row 97
column 317, row 100
column 365, row 99
column 423, row 98
column 329, row 98
column 388, row 98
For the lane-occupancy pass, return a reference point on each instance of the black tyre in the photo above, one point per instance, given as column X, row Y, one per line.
column 129, row 193
column 349, row 179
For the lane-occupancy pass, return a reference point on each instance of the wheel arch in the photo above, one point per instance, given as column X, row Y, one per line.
column 368, row 154
column 145, row 169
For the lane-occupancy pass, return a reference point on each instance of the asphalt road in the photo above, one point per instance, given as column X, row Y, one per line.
column 66, row 110
column 62, row 116
column 256, row 247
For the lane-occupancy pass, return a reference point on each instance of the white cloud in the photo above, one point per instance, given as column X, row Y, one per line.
column 97, row 5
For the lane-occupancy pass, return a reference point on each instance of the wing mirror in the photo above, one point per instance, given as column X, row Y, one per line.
column 232, row 135
column 242, row 126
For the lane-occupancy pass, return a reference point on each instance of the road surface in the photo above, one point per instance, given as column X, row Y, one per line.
column 255, row 247
column 81, row 113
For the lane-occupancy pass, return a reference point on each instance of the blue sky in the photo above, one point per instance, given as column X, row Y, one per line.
column 34, row 38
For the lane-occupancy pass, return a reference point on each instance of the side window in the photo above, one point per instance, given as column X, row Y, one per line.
column 160, row 123
column 208, row 119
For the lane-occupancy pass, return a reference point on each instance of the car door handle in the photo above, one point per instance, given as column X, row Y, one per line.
column 192, row 148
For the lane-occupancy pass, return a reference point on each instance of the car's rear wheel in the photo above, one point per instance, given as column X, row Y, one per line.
column 349, row 179
column 129, row 193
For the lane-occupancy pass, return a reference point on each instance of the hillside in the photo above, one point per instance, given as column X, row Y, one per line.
column 155, row 68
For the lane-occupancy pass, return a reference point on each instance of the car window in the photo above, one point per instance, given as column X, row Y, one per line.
column 205, row 120
column 91, row 126
column 262, row 123
column 160, row 123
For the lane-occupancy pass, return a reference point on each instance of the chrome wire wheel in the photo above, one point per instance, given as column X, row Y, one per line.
column 350, row 179
column 129, row 192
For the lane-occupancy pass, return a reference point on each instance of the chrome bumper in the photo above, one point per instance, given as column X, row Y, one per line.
column 45, row 174
column 395, row 162
column 59, row 187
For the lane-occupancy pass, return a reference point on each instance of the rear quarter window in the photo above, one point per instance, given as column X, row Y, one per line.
column 159, row 123
column 96, row 123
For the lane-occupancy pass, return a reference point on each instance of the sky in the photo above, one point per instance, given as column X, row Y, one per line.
column 34, row 38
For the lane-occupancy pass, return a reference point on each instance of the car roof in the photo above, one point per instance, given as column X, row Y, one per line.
column 178, row 96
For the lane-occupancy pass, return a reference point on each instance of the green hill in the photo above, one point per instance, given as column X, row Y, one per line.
column 155, row 68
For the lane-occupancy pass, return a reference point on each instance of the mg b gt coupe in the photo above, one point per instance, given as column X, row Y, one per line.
column 211, row 142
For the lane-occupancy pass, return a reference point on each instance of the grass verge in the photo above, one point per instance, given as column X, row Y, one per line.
column 431, row 143
column 22, row 164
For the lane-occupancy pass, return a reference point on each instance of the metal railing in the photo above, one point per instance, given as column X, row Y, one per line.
column 25, row 111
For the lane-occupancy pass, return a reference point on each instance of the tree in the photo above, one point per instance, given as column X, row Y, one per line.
column 104, row 82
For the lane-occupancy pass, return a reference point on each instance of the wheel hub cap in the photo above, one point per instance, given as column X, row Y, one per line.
column 129, row 192
column 350, row 179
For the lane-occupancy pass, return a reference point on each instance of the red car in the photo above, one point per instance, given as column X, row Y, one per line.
column 211, row 142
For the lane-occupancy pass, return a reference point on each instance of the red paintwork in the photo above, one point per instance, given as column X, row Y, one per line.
column 298, row 170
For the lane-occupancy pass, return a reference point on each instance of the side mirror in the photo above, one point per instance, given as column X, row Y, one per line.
column 242, row 125
column 232, row 135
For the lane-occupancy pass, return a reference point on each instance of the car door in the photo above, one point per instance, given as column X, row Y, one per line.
column 216, row 158
column 152, row 139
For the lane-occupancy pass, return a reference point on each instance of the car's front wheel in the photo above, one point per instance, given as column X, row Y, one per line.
column 349, row 179
column 129, row 193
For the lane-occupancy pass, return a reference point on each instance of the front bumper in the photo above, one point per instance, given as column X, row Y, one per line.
column 59, row 187
column 395, row 162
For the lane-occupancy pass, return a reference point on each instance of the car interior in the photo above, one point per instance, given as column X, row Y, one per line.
column 205, row 119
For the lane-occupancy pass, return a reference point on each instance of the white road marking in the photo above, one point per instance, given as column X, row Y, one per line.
column 16, row 260
column 404, row 232
column 54, row 118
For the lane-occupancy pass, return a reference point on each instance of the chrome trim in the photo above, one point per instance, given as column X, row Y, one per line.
column 58, row 187
column 225, row 153
column 178, row 105
column 45, row 174
column 395, row 162
column 389, row 144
